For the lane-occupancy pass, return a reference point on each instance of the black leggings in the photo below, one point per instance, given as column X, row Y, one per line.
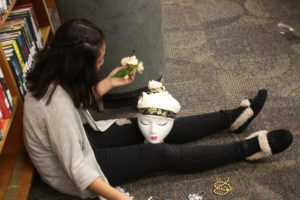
column 123, row 155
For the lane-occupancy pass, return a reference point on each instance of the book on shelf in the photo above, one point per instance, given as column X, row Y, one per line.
column 6, row 91
column 4, row 105
column 1, row 120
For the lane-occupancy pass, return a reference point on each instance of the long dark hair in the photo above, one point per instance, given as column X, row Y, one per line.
column 70, row 61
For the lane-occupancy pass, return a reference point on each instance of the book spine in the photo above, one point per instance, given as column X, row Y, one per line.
column 19, row 54
column 1, row 123
column 4, row 106
column 19, row 73
column 36, row 30
column 13, row 71
column 21, row 48
column 6, row 91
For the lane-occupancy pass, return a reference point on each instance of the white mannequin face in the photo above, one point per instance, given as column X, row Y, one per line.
column 155, row 129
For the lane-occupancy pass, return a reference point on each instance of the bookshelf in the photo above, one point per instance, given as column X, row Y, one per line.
column 16, row 170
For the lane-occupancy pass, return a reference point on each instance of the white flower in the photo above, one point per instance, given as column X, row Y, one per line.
column 140, row 67
column 129, row 60
column 124, row 61
column 133, row 60
column 154, row 84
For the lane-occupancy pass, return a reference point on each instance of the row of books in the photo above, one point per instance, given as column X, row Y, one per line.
column 3, row 10
column 4, row 7
column 21, row 39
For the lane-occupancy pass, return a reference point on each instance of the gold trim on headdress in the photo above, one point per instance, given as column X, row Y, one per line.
column 155, row 90
column 157, row 112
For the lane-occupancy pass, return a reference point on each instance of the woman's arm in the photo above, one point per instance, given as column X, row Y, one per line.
column 110, row 82
column 98, row 186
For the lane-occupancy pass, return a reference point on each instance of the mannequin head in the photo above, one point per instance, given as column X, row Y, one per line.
column 157, row 112
column 155, row 129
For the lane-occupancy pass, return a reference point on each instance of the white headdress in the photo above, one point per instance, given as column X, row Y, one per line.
column 157, row 101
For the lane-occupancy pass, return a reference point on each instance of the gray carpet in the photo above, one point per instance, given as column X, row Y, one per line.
column 217, row 53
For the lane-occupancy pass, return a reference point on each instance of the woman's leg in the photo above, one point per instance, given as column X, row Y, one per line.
column 194, row 127
column 190, row 128
column 122, row 164
column 115, row 136
column 185, row 129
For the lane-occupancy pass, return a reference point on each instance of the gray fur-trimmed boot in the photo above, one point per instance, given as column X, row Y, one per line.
column 248, row 110
column 269, row 143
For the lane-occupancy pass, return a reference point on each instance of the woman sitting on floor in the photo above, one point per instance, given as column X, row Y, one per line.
column 74, row 157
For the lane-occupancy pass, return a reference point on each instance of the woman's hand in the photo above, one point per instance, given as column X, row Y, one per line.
column 116, row 82
column 98, row 186
column 110, row 82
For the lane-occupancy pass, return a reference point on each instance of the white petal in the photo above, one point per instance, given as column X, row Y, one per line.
column 124, row 61
column 126, row 77
column 140, row 67
column 133, row 60
column 154, row 84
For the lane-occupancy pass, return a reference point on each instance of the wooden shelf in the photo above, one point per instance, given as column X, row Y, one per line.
column 16, row 172
column 51, row 3
column 6, row 170
column 7, row 124
column 45, row 33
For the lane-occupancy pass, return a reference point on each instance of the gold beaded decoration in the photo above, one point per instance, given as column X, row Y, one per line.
column 222, row 188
